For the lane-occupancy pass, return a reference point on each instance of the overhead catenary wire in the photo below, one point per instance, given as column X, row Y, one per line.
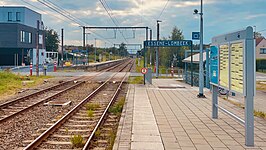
column 166, row 4
column 42, row 10
column 113, row 20
column 70, row 17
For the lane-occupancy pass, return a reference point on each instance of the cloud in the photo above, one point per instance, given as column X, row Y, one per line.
column 190, row 3
column 253, row 16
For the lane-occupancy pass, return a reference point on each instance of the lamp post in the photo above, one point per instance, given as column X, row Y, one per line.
column 150, row 48
column 86, row 44
column 95, row 51
column 201, row 76
column 157, row 49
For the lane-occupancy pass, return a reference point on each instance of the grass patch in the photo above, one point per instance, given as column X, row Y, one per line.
column 97, row 133
column 11, row 83
column 138, row 68
column 261, row 86
column 77, row 141
column 90, row 113
column 135, row 80
column 118, row 107
column 111, row 140
column 260, row 114
column 92, row 106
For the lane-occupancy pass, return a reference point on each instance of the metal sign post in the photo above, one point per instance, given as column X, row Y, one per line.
column 233, row 69
column 37, row 48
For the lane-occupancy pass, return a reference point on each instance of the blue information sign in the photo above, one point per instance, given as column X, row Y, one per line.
column 168, row 43
column 195, row 35
column 214, row 65
column 79, row 51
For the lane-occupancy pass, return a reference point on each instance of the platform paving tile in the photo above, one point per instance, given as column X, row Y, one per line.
column 189, row 119
column 176, row 119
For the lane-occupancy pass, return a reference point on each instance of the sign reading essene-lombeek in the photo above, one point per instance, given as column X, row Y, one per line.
column 166, row 43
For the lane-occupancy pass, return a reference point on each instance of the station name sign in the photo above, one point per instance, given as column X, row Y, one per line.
column 79, row 51
column 168, row 43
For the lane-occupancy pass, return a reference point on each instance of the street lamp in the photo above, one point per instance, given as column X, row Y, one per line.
column 201, row 77
column 95, row 51
column 157, row 49
column 87, row 49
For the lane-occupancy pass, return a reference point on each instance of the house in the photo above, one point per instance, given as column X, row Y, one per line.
column 261, row 48
column 18, row 35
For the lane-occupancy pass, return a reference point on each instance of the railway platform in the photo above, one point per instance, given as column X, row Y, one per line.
column 168, row 115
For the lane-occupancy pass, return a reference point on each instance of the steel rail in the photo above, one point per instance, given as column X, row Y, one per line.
column 61, row 121
column 41, row 101
column 6, row 104
column 104, row 113
column 86, row 146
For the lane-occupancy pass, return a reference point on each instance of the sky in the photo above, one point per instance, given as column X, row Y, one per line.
column 220, row 16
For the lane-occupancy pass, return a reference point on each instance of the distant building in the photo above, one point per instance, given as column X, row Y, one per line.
column 260, row 48
column 18, row 32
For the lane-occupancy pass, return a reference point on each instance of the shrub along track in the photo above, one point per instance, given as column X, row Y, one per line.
column 82, row 122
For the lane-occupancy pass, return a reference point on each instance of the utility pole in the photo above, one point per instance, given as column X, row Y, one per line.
column 150, row 47
column 87, row 49
column 37, row 48
column 62, row 47
column 201, row 77
column 157, row 49
column 84, row 34
column 95, row 51
column 147, row 37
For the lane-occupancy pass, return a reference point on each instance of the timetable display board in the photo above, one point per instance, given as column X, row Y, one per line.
column 224, row 66
column 237, row 68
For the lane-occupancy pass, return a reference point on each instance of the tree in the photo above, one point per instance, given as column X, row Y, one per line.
column 177, row 34
column 123, row 49
column 167, row 53
column 52, row 40
column 259, row 35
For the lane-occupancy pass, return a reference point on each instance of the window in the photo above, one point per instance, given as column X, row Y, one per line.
column 25, row 37
column 22, row 36
column 9, row 16
column 18, row 16
column 262, row 50
column 30, row 38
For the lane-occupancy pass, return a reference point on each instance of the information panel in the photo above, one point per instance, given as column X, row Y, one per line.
column 214, row 65
column 224, row 66
column 237, row 67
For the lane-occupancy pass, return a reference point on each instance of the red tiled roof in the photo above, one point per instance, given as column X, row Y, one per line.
column 258, row 40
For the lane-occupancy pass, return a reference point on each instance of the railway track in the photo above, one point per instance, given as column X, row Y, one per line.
column 83, row 120
column 17, row 106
